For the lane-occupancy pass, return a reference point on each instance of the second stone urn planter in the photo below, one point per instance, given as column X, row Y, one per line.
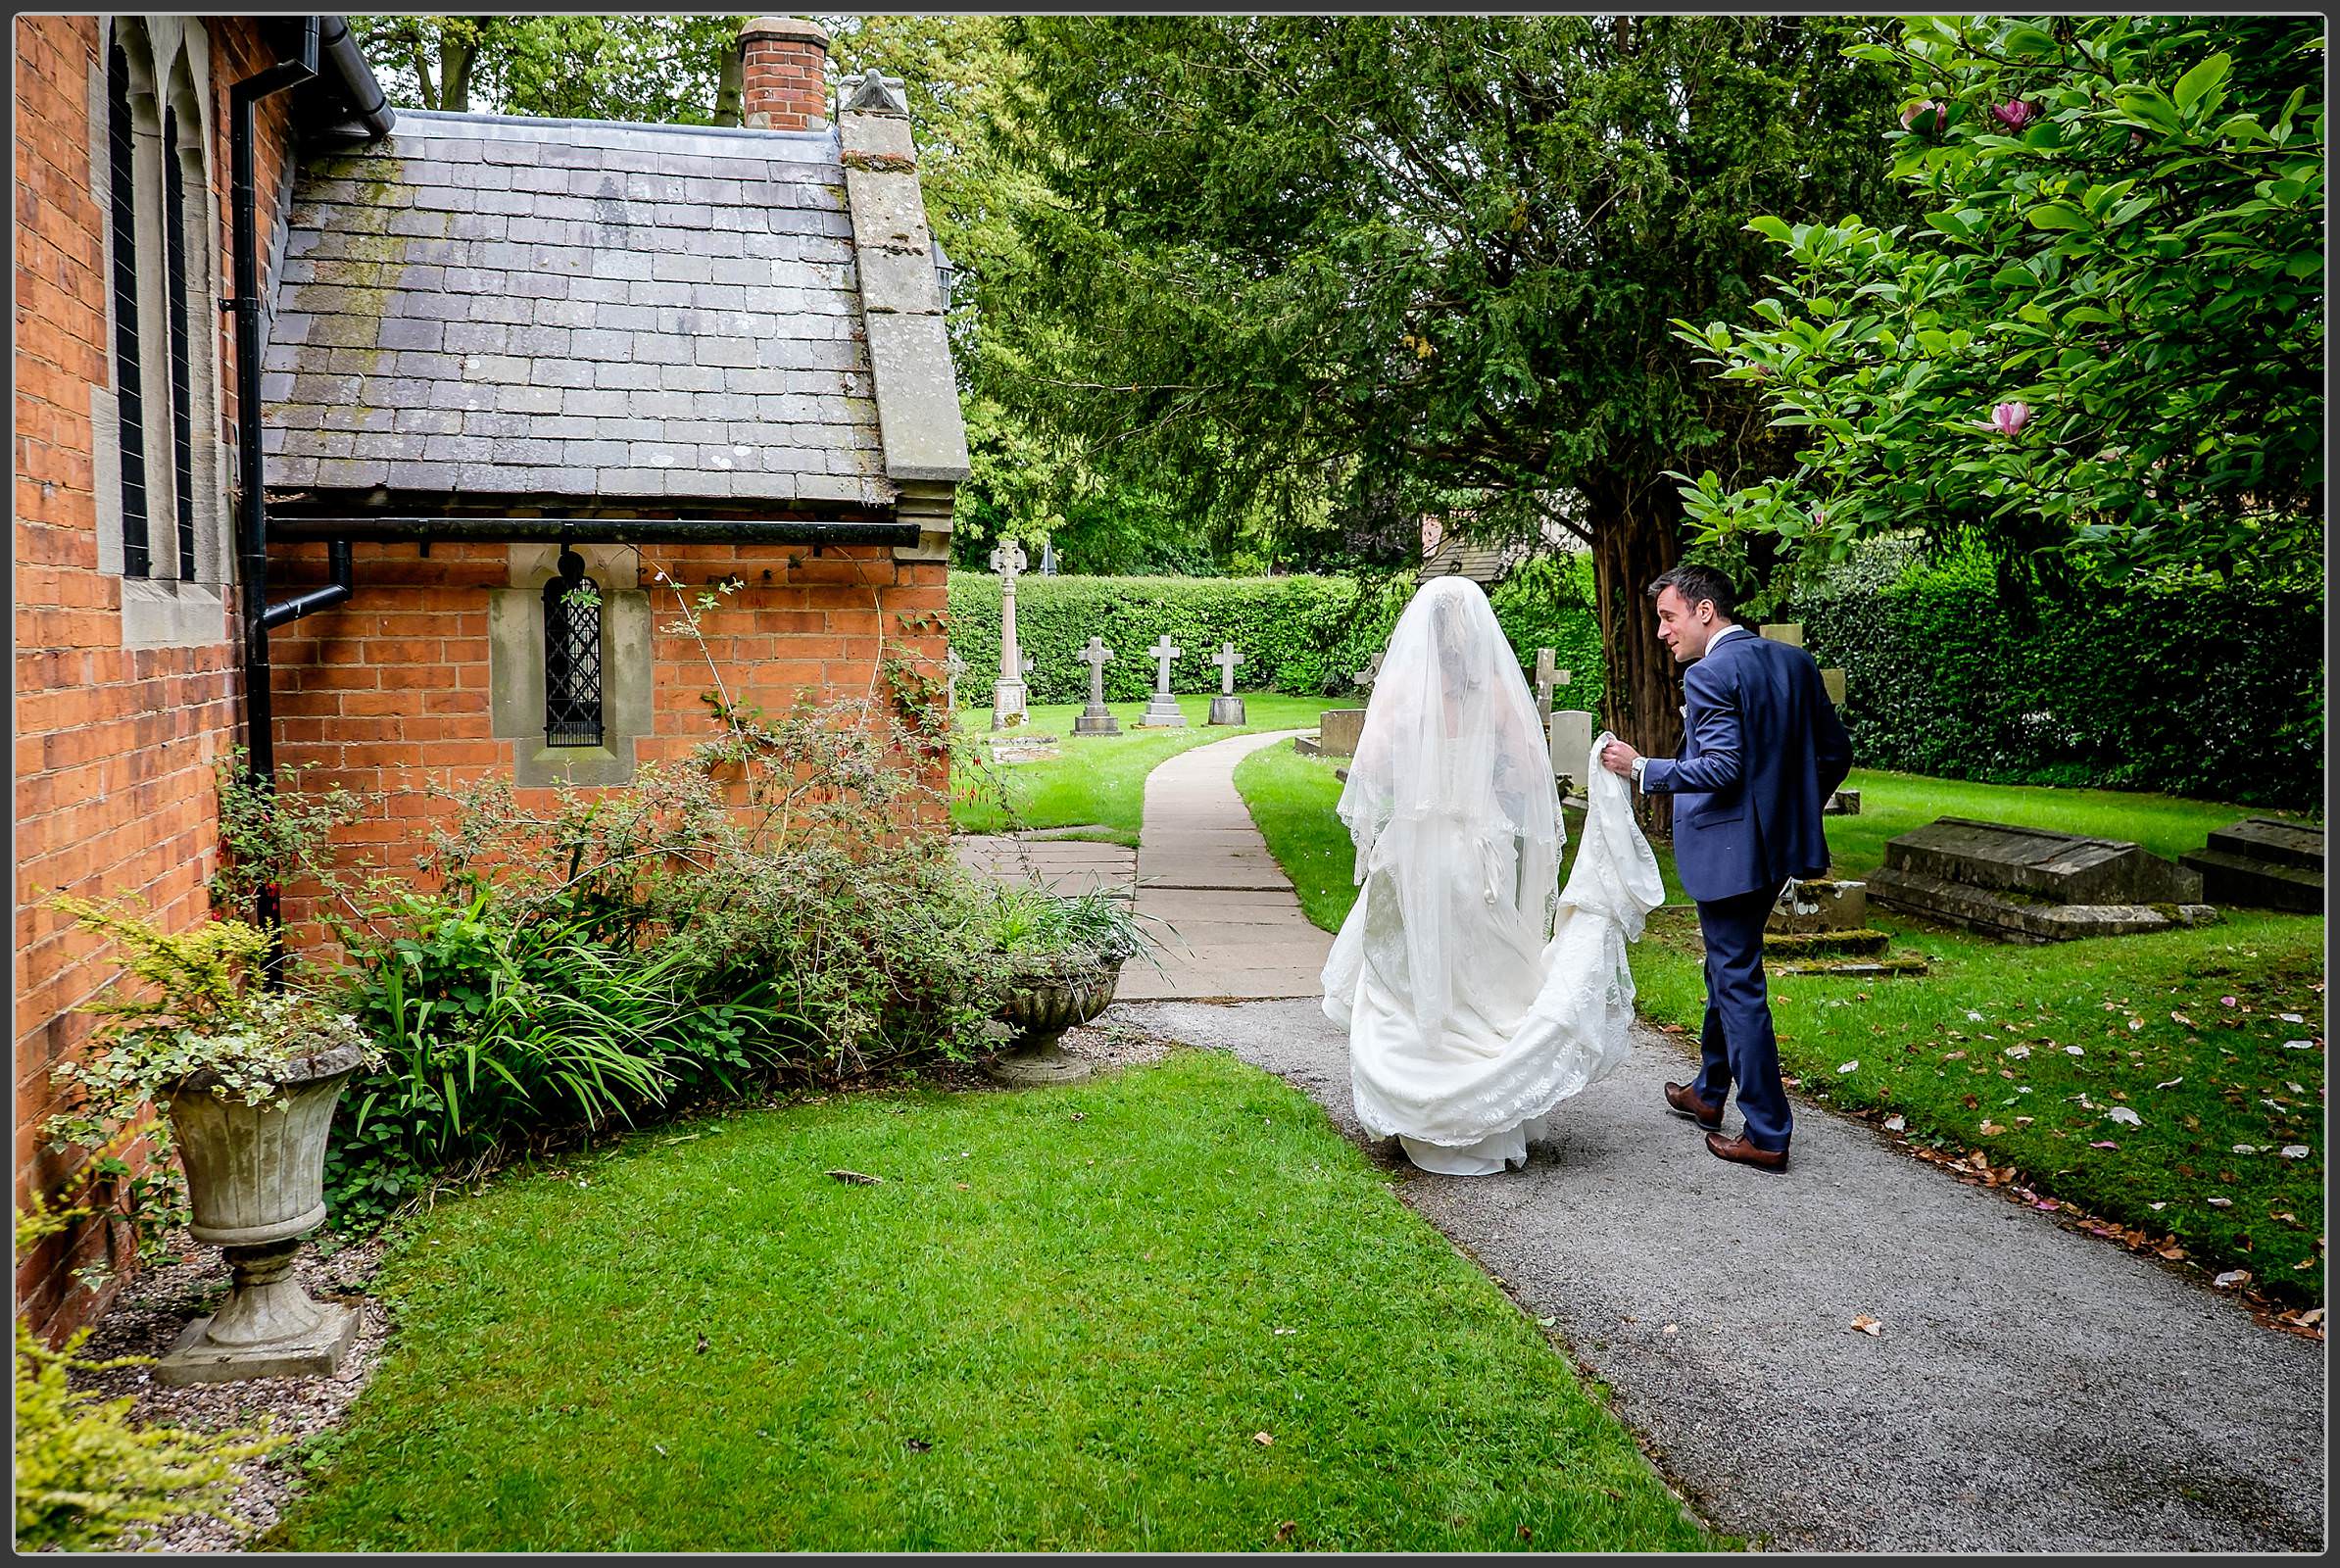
column 256, row 1184
column 1046, row 996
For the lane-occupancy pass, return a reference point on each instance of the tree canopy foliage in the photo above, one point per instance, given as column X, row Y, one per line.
column 2102, row 347
column 664, row 69
column 1357, row 269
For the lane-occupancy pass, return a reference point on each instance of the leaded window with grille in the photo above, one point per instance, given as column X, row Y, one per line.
column 572, row 656
column 129, row 403
column 182, row 418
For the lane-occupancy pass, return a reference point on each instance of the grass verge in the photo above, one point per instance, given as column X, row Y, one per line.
column 2032, row 1057
column 1062, row 1321
column 1098, row 779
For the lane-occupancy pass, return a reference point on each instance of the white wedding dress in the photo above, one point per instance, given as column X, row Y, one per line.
column 1475, row 999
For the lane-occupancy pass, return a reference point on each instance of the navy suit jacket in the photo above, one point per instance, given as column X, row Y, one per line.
column 1762, row 750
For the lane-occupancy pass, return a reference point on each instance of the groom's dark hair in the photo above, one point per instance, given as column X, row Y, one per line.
column 1695, row 582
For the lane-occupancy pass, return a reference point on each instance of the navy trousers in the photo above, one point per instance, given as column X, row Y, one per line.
column 1737, row 1044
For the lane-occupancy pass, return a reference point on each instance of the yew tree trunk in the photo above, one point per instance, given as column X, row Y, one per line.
column 1633, row 541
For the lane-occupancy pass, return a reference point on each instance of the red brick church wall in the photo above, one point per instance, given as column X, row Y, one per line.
column 114, row 747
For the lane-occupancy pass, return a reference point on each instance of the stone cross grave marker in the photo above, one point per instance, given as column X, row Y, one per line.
column 1162, row 711
column 1096, row 719
column 1370, row 674
column 954, row 667
column 1007, row 693
column 1227, row 708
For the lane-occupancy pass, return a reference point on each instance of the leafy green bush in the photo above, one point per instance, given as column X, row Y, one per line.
column 1298, row 635
column 84, row 1473
column 753, row 912
column 2202, row 689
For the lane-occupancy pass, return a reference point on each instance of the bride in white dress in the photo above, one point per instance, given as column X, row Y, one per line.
column 1477, row 995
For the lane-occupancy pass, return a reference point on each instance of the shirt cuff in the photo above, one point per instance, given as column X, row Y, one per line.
column 1640, row 765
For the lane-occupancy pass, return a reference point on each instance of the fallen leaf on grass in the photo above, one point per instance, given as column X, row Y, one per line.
column 2219, row 1203
column 1991, row 1129
column 2126, row 1116
column 961, row 1186
column 2313, row 1316
column 2305, row 1263
column 2296, row 1150
column 2232, row 1278
column 2171, row 1083
column 917, row 1445
column 2291, row 1017
column 2226, row 1002
column 2104, row 1142
column 1848, row 1066
column 1972, row 1016
column 2023, row 1121
column 2076, row 1051
column 1284, row 1531
column 1865, row 1324
column 2299, row 1045
column 1288, row 1331
column 1894, row 1124
column 2019, row 1052
column 2172, row 1253
column 2245, row 1149
column 1262, row 1438
column 856, row 1178
column 2179, row 1017
column 2135, row 1024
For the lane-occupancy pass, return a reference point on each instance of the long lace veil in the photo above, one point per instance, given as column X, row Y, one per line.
column 1451, row 796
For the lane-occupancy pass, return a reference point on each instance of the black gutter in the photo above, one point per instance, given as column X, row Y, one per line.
column 340, row 50
column 594, row 530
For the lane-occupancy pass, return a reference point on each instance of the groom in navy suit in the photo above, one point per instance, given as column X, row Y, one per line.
column 1762, row 750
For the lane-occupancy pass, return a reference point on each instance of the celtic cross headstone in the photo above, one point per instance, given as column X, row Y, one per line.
column 1007, row 692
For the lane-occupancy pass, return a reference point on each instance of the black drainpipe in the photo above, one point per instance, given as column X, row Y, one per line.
column 252, row 518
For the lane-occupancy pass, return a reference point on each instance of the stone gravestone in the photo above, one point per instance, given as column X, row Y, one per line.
column 2264, row 862
column 1845, row 802
column 2028, row 884
column 1227, row 708
column 1007, row 693
column 1547, row 675
column 1821, row 927
column 953, row 668
column 1161, row 710
column 1572, row 751
column 1096, row 719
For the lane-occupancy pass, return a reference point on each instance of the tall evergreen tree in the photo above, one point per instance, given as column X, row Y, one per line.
column 1430, row 263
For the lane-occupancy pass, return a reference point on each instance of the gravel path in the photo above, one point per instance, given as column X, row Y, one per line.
column 2031, row 1389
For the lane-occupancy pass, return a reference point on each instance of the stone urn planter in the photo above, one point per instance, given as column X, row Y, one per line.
column 255, row 1182
column 1045, row 996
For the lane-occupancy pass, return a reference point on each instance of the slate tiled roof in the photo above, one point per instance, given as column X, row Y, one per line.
column 480, row 306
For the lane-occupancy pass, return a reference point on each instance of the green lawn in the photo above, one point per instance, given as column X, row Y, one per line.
column 1100, row 779
column 2204, row 1075
column 1059, row 1323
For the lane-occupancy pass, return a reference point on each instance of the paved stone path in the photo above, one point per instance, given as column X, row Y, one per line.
column 2033, row 1389
column 1229, row 922
column 1046, row 860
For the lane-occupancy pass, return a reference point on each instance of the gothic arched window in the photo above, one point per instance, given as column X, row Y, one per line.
column 572, row 656
column 182, row 390
column 129, row 401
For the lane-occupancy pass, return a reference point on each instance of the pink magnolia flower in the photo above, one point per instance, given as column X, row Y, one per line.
column 2015, row 113
column 1928, row 106
column 2009, row 419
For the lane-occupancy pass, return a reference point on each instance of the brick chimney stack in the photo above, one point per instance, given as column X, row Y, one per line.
column 784, row 82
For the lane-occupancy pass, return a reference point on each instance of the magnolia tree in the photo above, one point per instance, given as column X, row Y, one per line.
column 2103, row 349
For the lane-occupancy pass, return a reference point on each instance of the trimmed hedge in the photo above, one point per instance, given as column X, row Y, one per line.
column 1298, row 635
column 2208, row 691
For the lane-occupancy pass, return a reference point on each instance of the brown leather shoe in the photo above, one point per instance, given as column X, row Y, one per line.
column 1745, row 1153
column 1684, row 1097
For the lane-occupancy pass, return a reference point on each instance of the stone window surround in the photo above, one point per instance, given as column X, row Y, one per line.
column 162, row 609
column 516, row 668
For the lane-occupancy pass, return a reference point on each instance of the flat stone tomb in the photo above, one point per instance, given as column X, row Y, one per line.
column 2031, row 884
column 1822, row 926
column 2263, row 862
